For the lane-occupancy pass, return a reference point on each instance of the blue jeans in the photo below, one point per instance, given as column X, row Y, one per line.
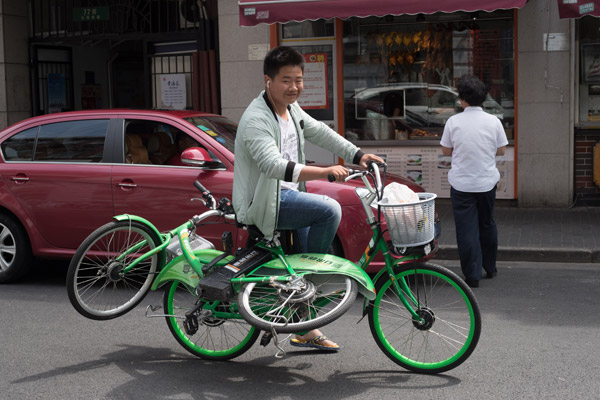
column 314, row 216
column 476, row 232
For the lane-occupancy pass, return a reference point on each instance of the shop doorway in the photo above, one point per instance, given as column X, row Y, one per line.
column 129, row 83
column 52, row 80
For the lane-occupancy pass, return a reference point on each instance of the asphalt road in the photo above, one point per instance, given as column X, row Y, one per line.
column 540, row 340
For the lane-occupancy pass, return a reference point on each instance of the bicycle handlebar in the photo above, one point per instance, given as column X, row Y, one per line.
column 224, row 207
column 355, row 173
column 352, row 173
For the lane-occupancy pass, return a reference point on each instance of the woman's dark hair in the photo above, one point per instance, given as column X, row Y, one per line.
column 281, row 56
column 471, row 90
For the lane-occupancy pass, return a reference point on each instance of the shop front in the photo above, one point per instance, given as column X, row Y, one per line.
column 587, row 123
column 387, row 82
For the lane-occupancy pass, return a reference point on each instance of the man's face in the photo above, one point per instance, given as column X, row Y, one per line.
column 285, row 87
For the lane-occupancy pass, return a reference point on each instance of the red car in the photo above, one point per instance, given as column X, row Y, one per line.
column 63, row 175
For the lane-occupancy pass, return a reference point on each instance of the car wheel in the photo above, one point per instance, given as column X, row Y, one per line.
column 15, row 250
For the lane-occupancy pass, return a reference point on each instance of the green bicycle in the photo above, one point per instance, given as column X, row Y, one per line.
column 422, row 316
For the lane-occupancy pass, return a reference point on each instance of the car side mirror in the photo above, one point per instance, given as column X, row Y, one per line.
column 197, row 156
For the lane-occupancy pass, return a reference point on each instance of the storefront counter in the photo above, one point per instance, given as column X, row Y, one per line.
column 423, row 162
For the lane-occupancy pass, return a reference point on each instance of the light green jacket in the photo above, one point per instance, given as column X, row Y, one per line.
column 259, row 166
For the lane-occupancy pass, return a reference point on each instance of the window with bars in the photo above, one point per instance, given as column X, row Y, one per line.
column 54, row 80
column 172, row 81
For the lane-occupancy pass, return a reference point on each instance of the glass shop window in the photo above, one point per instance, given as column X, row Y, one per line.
column 589, row 78
column 400, row 72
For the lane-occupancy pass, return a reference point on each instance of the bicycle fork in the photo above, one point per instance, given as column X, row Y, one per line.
column 400, row 286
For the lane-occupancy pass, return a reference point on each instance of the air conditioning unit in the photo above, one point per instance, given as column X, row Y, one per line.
column 191, row 14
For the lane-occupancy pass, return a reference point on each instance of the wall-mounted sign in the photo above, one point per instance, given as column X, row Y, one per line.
column 257, row 52
column 427, row 166
column 315, row 82
column 172, row 91
column 556, row 41
column 90, row 14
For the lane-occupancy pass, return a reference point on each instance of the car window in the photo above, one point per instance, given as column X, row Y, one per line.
column 220, row 129
column 370, row 114
column 79, row 141
column 20, row 146
column 415, row 97
column 156, row 143
column 137, row 134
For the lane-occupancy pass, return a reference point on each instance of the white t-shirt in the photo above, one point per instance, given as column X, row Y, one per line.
column 289, row 148
column 474, row 137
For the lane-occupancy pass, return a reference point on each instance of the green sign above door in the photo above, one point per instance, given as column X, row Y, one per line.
column 90, row 14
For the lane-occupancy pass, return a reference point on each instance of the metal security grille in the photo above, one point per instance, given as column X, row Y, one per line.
column 87, row 20
column 166, row 67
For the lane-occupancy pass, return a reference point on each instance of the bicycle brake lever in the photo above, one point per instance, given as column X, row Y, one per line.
column 199, row 199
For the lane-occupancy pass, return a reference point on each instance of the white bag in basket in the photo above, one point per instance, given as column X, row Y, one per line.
column 397, row 193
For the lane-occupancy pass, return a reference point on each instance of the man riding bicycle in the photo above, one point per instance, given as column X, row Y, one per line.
column 270, row 171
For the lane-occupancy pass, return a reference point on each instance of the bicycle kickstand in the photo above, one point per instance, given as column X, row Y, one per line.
column 281, row 351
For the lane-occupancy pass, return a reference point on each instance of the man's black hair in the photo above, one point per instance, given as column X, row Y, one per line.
column 471, row 90
column 279, row 57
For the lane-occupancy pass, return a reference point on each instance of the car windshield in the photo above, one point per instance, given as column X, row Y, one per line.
column 220, row 129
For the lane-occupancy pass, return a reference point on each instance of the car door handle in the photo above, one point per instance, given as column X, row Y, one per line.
column 20, row 179
column 128, row 185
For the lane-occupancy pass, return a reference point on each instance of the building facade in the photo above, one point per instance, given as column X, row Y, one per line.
column 66, row 54
column 539, row 103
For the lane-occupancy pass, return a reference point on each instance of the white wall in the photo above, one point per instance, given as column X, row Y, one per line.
column 545, row 94
column 241, row 78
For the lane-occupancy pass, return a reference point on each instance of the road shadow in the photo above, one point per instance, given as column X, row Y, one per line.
column 50, row 272
column 161, row 373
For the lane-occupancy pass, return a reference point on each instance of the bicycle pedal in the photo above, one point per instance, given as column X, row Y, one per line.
column 190, row 325
column 266, row 339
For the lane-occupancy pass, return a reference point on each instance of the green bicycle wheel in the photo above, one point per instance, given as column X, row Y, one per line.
column 450, row 326
column 207, row 337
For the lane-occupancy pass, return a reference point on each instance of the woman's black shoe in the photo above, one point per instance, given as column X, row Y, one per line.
column 490, row 275
column 472, row 282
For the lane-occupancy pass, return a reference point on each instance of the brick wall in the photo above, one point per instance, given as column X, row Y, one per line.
column 585, row 189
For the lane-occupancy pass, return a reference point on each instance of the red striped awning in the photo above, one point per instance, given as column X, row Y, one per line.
column 253, row 12
column 578, row 8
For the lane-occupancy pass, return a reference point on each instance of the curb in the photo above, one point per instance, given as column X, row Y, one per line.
column 449, row 252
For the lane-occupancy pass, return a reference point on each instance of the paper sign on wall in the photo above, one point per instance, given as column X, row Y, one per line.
column 315, row 82
column 173, row 93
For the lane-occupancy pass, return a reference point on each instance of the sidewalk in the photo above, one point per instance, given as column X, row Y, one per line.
column 534, row 234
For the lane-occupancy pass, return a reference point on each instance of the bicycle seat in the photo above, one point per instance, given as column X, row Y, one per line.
column 254, row 234
column 287, row 238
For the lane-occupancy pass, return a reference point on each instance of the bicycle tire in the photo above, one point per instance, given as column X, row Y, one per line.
column 96, row 286
column 215, row 339
column 452, row 320
column 333, row 295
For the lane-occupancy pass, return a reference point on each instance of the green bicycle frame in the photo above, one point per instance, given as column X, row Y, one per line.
column 187, row 268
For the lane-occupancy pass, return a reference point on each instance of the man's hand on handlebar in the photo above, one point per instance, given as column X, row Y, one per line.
column 337, row 173
column 364, row 161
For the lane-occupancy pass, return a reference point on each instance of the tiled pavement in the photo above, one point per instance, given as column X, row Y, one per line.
column 534, row 234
